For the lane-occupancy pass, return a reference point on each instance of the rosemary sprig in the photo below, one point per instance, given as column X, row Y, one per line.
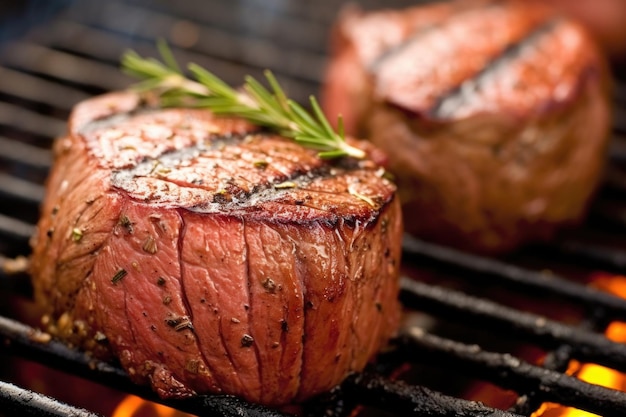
column 270, row 108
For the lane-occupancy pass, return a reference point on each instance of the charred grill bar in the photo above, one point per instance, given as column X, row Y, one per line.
column 74, row 55
column 371, row 389
column 26, row 341
column 22, row 402
column 495, row 271
column 509, row 372
column 586, row 345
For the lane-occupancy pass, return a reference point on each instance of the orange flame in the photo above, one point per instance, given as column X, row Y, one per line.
column 133, row 406
column 592, row 373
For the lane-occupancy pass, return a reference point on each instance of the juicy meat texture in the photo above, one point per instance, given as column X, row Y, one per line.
column 494, row 115
column 211, row 257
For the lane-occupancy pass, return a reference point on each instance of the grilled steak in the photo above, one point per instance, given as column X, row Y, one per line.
column 494, row 115
column 212, row 257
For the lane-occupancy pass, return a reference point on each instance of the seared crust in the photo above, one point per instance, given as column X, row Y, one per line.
column 211, row 257
column 191, row 159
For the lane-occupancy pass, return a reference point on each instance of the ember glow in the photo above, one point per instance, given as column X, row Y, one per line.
column 592, row 373
column 133, row 406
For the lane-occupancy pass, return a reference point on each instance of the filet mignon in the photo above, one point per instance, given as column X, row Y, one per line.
column 494, row 115
column 212, row 257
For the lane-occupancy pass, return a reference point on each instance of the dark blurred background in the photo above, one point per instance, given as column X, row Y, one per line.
column 17, row 16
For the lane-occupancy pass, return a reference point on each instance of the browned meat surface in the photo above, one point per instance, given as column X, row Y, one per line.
column 211, row 257
column 604, row 19
column 494, row 115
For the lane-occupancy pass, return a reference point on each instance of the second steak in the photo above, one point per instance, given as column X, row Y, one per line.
column 494, row 114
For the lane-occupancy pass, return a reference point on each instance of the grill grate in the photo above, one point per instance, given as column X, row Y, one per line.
column 22, row 402
column 373, row 389
column 74, row 55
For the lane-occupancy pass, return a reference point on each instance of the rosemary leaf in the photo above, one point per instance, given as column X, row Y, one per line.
column 256, row 103
column 340, row 127
column 267, row 102
column 303, row 118
column 168, row 57
column 279, row 93
column 331, row 154
column 217, row 86
column 311, row 142
column 320, row 116
column 147, row 85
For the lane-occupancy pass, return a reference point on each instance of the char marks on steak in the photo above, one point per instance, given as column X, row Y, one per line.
column 209, row 256
column 494, row 115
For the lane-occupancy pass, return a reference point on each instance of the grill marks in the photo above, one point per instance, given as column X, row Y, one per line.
column 234, row 169
column 452, row 66
column 191, row 159
column 188, row 159
column 122, row 140
column 449, row 104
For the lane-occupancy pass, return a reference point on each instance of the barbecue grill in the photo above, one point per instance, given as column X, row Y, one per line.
column 469, row 318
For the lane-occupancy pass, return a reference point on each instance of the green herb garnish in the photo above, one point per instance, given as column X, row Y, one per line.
column 255, row 103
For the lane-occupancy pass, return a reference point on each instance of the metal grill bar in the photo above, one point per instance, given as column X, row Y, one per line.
column 16, row 188
column 18, row 401
column 398, row 397
column 557, row 360
column 75, row 37
column 586, row 345
column 32, row 344
column 29, row 87
column 456, row 262
column 15, row 228
column 63, row 66
column 373, row 390
column 511, row 373
column 25, row 154
column 28, row 121
column 596, row 255
column 504, row 370
column 235, row 47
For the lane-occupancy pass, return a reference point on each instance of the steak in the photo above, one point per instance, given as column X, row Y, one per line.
column 494, row 115
column 210, row 256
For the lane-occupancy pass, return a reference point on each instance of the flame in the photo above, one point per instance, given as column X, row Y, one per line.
column 592, row 373
column 132, row 406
